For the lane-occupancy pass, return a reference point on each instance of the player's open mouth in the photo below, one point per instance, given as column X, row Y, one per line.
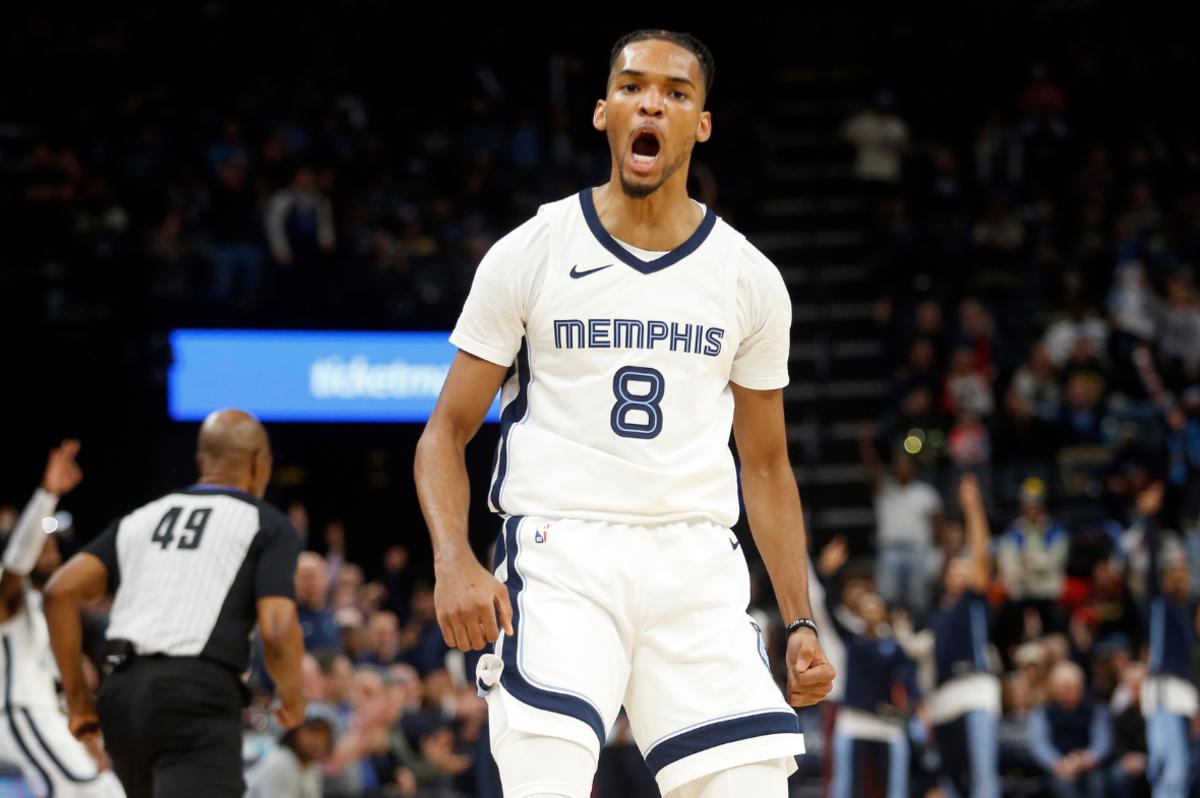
column 643, row 153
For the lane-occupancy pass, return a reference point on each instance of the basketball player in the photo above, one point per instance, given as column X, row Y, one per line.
column 630, row 328
column 965, row 705
column 34, row 733
column 1169, row 698
column 870, row 737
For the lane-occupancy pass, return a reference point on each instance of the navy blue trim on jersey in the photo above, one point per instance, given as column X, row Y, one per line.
column 12, row 720
column 721, row 732
column 50, row 753
column 512, row 413
column 645, row 267
column 511, row 677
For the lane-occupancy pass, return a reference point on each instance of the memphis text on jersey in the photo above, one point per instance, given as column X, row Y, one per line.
column 634, row 334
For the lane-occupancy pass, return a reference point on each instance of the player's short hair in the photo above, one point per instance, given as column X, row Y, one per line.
column 687, row 41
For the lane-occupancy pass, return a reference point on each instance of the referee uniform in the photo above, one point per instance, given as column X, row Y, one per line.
column 186, row 571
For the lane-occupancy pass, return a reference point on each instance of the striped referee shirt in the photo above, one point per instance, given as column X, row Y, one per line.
column 186, row 571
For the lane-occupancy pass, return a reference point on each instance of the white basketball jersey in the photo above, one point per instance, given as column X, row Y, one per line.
column 27, row 668
column 618, row 406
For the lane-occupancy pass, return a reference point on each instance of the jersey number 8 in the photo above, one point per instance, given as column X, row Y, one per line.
column 637, row 413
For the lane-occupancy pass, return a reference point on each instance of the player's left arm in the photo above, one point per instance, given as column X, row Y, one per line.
column 777, row 523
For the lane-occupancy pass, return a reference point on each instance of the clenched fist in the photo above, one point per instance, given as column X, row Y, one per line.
column 810, row 676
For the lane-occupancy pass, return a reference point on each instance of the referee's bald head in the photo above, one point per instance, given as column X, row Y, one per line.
column 232, row 448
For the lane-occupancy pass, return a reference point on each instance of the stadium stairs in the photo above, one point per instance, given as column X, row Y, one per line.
column 810, row 221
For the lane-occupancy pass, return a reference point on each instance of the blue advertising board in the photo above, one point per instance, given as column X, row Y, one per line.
column 309, row 375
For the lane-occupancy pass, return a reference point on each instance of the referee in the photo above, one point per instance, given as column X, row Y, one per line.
column 190, row 573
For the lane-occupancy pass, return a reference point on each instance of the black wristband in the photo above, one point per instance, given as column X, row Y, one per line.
column 802, row 623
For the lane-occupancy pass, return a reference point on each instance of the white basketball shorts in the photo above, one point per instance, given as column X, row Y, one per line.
column 651, row 617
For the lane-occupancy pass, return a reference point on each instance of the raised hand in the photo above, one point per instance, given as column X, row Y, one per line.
column 1150, row 500
column 62, row 473
column 969, row 495
column 833, row 556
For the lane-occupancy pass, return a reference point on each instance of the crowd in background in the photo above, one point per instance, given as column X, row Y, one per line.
column 1037, row 293
column 1037, row 297
column 314, row 194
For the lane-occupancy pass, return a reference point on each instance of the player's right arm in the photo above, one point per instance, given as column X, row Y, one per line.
column 26, row 541
column 467, row 596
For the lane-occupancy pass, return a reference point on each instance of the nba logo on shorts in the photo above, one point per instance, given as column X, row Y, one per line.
column 542, row 535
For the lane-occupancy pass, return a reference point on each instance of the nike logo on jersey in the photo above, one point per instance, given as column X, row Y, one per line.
column 577, row 274
column 734, row 544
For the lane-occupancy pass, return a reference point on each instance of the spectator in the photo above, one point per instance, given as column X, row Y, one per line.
column 383, row 640
column 967, row 388
column 347, row 587
column 908, row 515
column 1044, row 135
column 422, row 640
column 1133, row 305
column 880, row 690
column 317, row 622
column 970, row 445
column 1081, row 418
column 999, row 234
column 1012, row 732
column 881, row 139
column 916, row 417
column 977, row 332
column 335, row 552
column 299, row 221
column 1170, row 698
column 1035, row 386
column 367, row 698
column 1179, row 339
column 1076, row 324
column 425, row 747
column 1071, row 737
column 997, row 156
column 965, row 706
column 353, row 630
column 397, row 578
column 1127, row 773
column 297, row 513
column 8, row 519
column 294, row 768
column 234, row 237
column 1031, row 556
column 920, row 369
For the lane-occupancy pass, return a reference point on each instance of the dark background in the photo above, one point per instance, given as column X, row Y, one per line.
column 83, row 348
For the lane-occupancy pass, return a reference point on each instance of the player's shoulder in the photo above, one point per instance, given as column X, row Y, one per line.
column 751, row 260
column 533, row 235
column 757, row 274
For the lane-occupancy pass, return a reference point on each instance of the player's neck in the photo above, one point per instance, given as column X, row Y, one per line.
column 658, row 222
